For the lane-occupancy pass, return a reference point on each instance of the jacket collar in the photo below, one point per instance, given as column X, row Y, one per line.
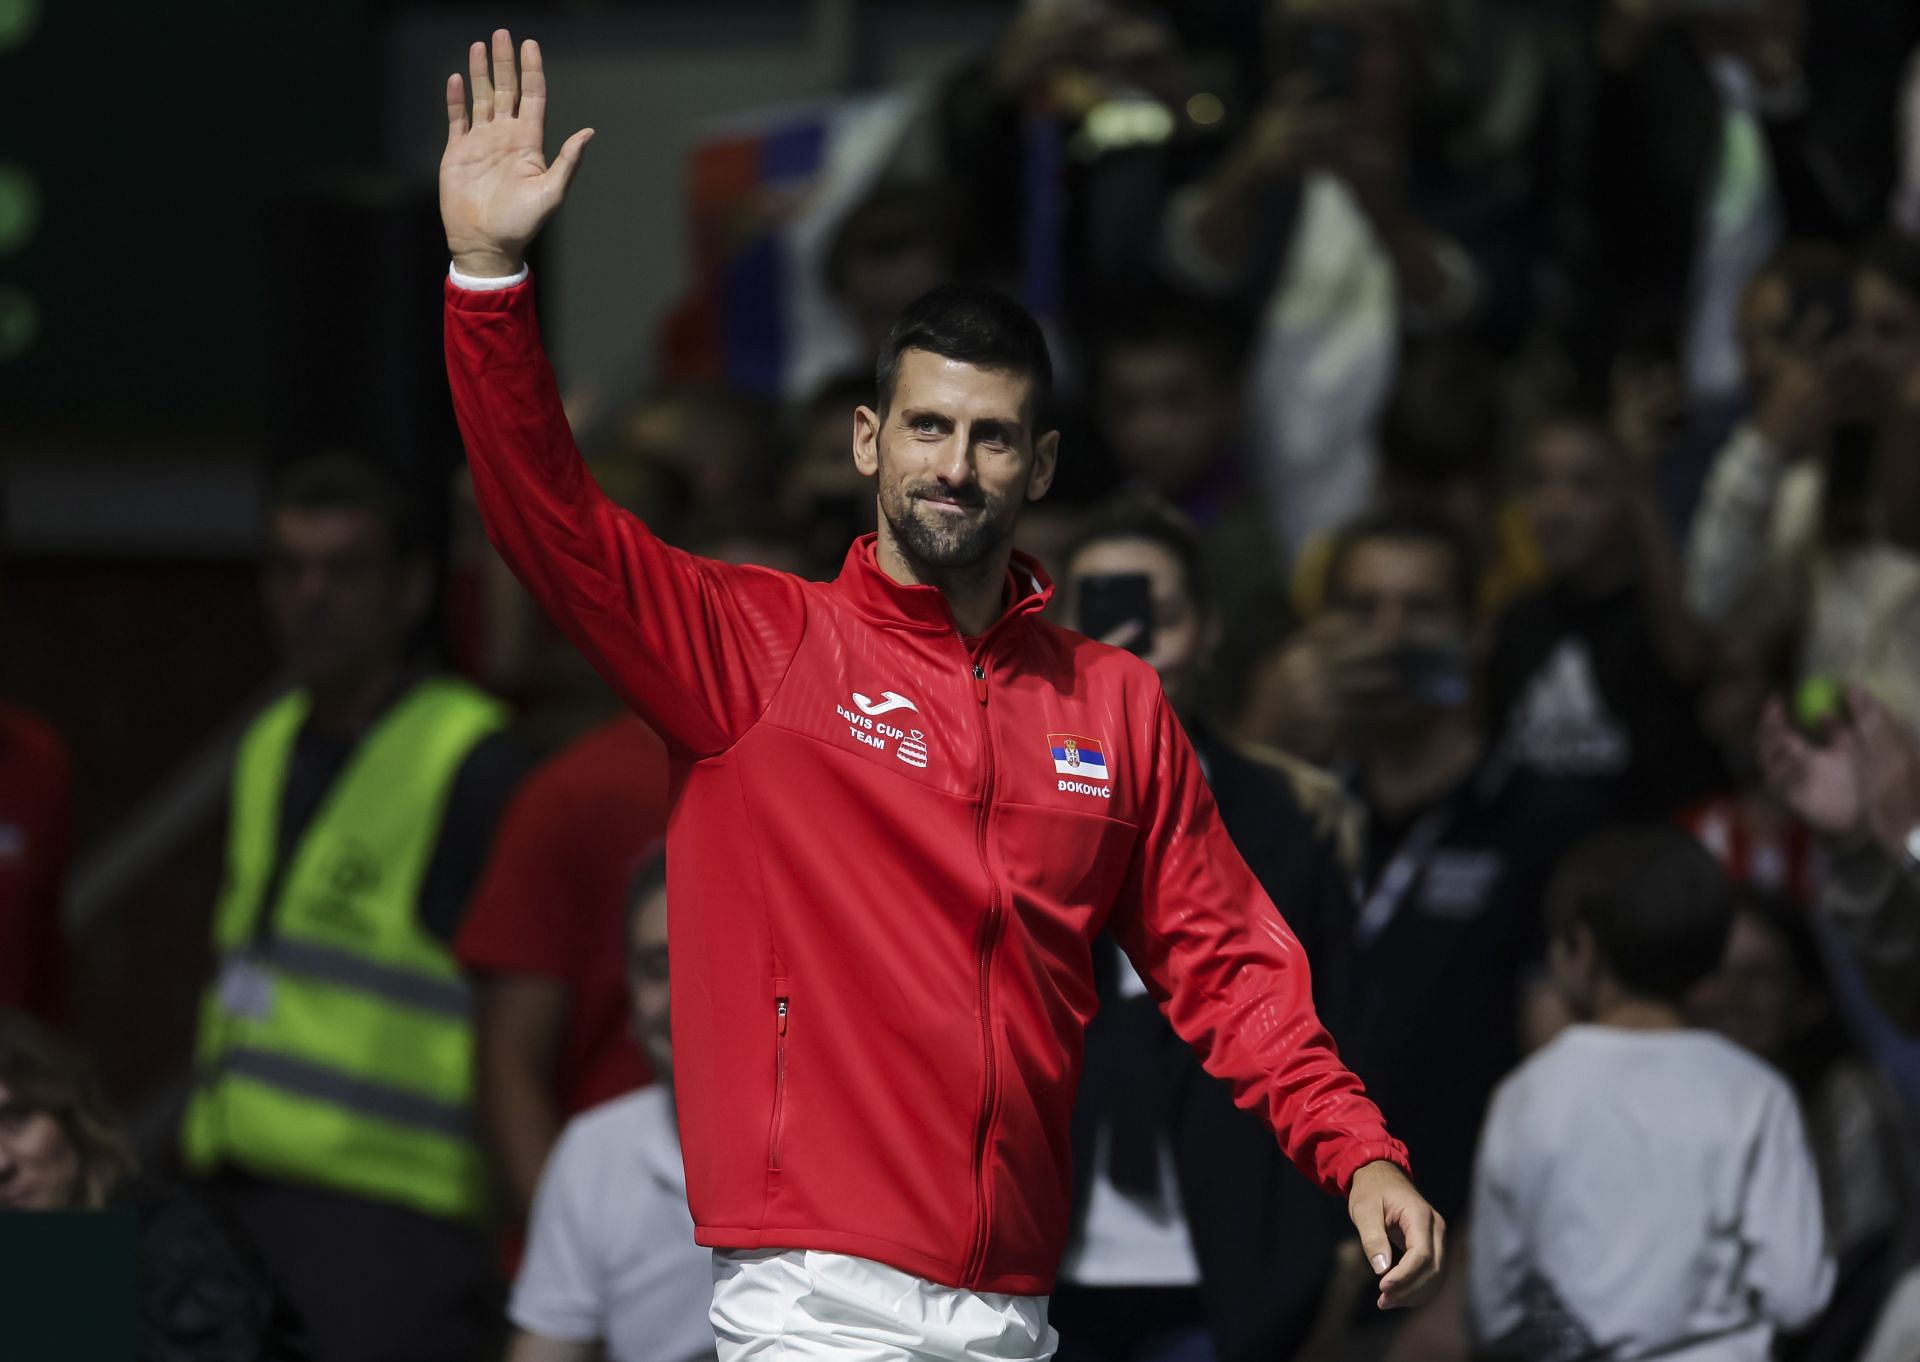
column 886, row 602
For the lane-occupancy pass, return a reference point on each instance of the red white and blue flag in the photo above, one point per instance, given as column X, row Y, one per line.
column 766, row 191
column 1085, row 758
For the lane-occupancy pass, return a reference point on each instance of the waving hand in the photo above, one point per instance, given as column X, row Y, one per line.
column 497, row 189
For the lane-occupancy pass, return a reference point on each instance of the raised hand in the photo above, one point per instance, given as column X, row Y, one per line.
column 496, row 188
column 1819, row 783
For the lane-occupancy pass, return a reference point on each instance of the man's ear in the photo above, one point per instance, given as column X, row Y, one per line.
column 866, row 440
column 1046, row 457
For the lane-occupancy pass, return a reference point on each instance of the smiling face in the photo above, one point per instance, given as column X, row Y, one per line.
column 956, row 457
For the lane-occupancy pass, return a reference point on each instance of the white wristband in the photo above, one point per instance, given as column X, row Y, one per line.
column 476, row 283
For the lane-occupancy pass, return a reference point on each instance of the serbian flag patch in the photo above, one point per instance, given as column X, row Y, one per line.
column 1076, row 756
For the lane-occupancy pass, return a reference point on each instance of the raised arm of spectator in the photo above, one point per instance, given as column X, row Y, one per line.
column 1233, row 982
column 1742, row 569
column 694, row 646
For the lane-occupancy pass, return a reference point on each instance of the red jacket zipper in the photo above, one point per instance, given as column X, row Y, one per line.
column 989, row 933
column 779, row 1078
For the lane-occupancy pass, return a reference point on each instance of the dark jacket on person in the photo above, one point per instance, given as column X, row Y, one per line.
column 203, row 1294
column 1262, row 1234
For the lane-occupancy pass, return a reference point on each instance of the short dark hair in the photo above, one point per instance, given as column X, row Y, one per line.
column 1413, row 526
column 974, row 325
column 1658, row 905
column 1894, row 257
column 341, row 481
column 1140, row 515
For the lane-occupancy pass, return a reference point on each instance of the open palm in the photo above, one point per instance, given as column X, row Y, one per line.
column 497, row 189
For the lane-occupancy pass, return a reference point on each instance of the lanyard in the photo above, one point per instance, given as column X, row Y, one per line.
column 1409, row 862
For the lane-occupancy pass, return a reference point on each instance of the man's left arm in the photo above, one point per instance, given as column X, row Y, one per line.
column 1233, row 981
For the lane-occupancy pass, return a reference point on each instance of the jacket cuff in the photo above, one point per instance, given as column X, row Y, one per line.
column 1353, row 1156
column 478, row 283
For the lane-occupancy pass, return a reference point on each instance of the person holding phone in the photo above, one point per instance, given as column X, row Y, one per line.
column 901, row 806
column 1176, row 1194
column 1446, row 939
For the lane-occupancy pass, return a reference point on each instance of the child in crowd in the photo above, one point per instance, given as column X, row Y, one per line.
column 1643, row 1189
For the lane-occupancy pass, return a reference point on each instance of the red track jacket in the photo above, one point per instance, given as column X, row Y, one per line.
column 890, row 849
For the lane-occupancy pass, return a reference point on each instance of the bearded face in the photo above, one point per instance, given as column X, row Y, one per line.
column 956, row 459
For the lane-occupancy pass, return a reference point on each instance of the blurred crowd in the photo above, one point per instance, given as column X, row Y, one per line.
column 1498, row 421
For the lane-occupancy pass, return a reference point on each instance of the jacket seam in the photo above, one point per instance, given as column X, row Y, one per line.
column 773, row 692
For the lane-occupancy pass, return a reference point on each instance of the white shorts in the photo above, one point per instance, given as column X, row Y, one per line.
column 801, row 1305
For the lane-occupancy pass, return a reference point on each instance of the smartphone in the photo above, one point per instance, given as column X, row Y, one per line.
column 1111, row 599
column 1327, row 53
column 1432, row 674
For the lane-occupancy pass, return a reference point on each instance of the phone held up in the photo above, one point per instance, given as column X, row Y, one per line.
column 1109, row 600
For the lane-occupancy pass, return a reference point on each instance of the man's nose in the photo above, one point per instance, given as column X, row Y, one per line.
column 954, row 463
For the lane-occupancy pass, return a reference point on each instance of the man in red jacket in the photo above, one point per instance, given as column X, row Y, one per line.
column 902, row 806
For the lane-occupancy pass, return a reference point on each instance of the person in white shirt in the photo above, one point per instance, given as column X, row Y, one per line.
column 611, row 1263
column 1643, row 1190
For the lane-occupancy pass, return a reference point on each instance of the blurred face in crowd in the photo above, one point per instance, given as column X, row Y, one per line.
column 1182, row 636
column 1756, row 998
column 1401, row 592
column 1886, row 325
column 879, row 285
column 39, row 1167
column 1166, row 414
column 342, row 604
column 956, row 457
column 1576, row 497
column 647, row 982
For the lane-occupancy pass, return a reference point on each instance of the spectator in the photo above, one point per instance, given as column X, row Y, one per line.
column 1459, row 842
column 36, row 840
column 1859, row 789
column 1746, row 827
column 612, row 1264
column 1189, row 1238
column 335, row 1056
column 1312, row 211
column 1166, row 399
column 1595, row 678
column 1771, row 996
column 822, row 492
column 1441, row 437
column 551, row 1027
column 896, row 244
column 1715, row 136
column 1790, row 534
column 1642, row 1188
column 201, row 1294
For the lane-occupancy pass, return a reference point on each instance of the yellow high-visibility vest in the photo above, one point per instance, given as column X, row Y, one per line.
column 336, row 1046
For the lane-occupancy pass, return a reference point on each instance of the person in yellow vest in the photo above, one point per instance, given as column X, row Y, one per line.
column 333, row 1072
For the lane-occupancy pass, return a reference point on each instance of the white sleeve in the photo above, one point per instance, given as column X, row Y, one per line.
column 1497, row 1250
column 1728, row 549
column 561, row 1290
column 481, row 283
column 1789, row 1271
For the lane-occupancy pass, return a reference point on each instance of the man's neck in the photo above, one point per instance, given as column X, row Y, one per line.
column 976, row 595
column 1418, row 766
column 349, row 707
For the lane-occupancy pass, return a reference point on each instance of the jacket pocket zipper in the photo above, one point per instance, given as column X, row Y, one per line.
column 779, row 1078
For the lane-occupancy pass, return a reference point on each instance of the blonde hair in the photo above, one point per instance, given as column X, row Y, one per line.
column 44, row 1073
